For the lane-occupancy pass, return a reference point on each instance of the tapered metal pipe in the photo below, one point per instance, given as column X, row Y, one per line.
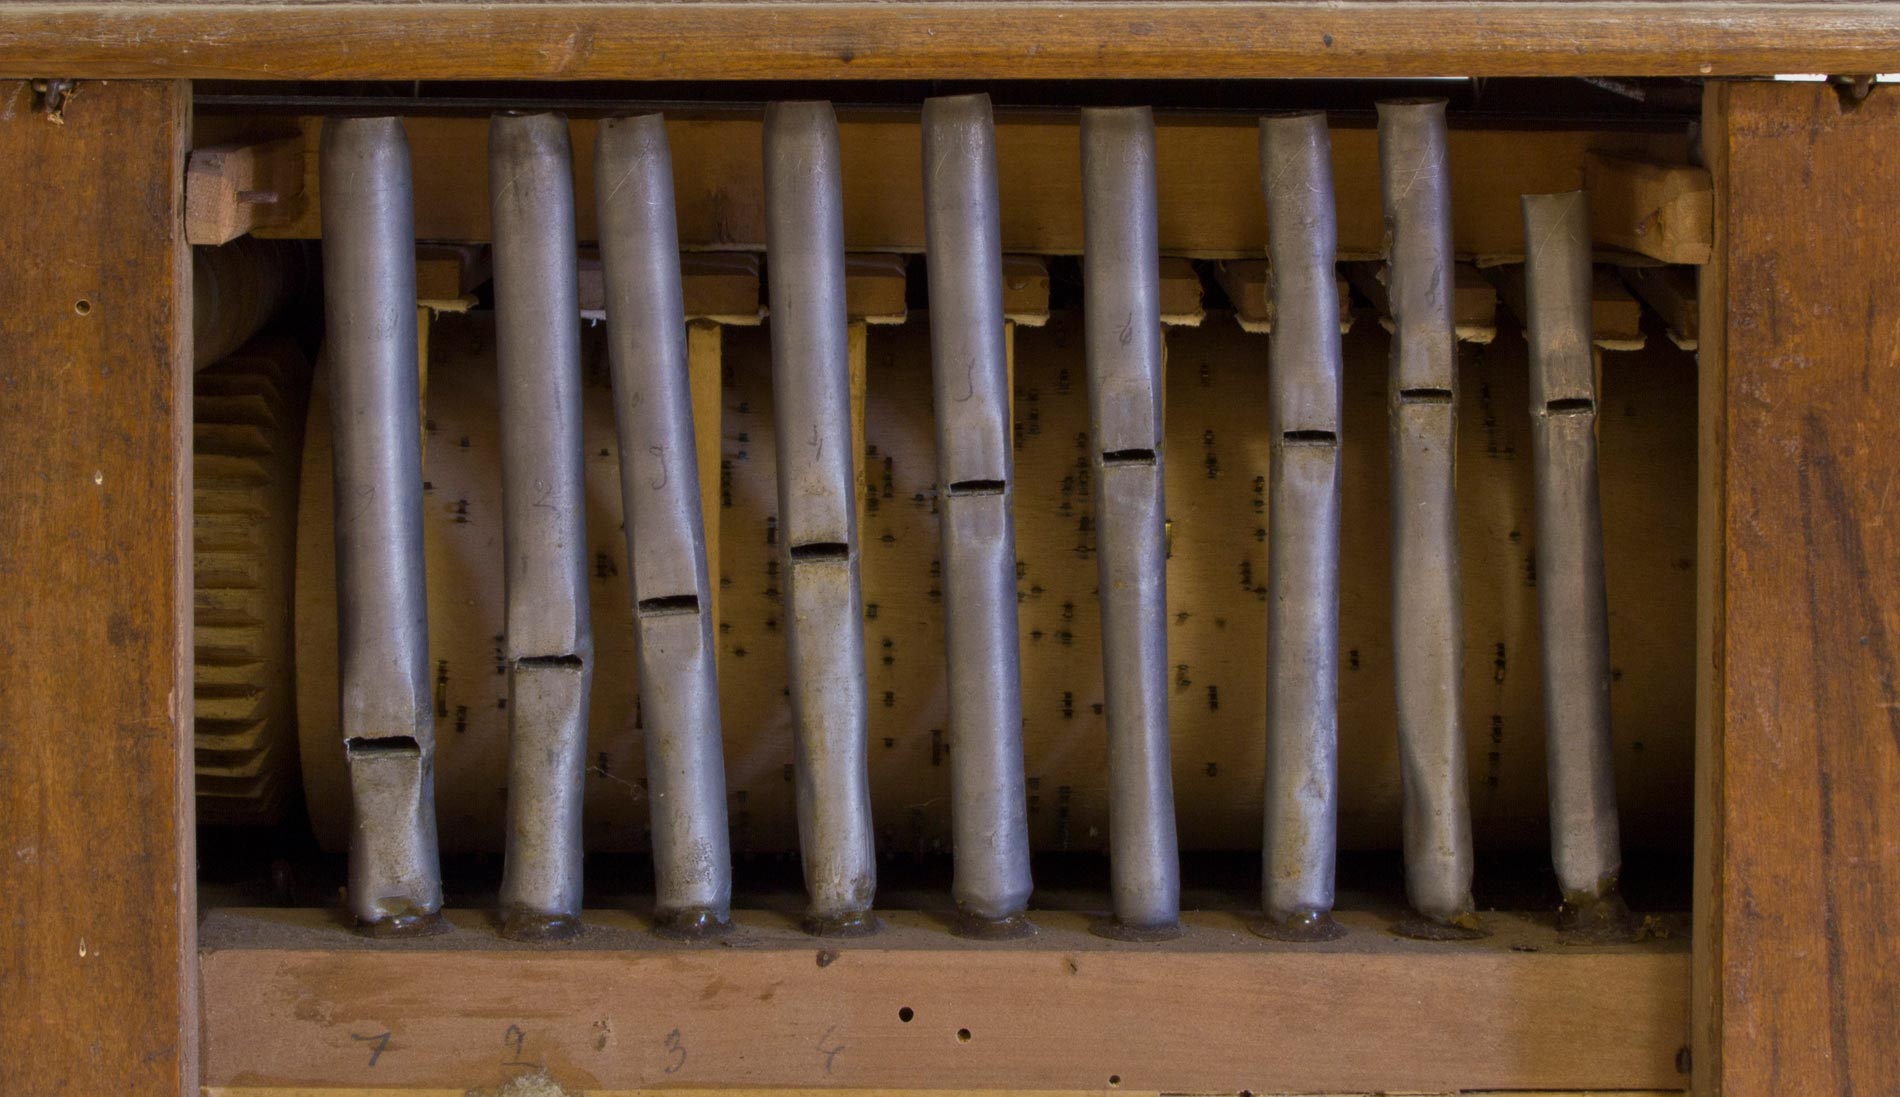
column 1427, row 620
column 1304, row 375
column 666, row 538
column 549, row 642
column 1121, row 273
column 817, row 519
column 395, row 884
column 975, row 473
column 1572, row 608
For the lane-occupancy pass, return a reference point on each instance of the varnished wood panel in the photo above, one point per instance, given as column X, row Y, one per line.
column 97, row 979
column 293, row 999
column 1799, row 947
column 928, row 39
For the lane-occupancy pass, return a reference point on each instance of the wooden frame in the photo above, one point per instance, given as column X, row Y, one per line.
column 1798, row 881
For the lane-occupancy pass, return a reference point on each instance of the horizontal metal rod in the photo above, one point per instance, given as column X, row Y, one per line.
column 1303, row 380
column 1573, row 611
column 665, row 531
column 395, row 883
column 817, row 519
column 970, row 378
column 548, row 638
column 1427, row 616
column 1122, row 332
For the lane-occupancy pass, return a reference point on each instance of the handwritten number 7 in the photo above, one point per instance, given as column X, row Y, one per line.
column 381, row 1040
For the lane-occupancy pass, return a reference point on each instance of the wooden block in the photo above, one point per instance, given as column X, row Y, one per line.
column 1671, row 293
column 1474, row 300
column 1660, row 209
column 98, row 888
column 875, row 287
column 1026, row 290
column 719, row 286
column 291, row 999
column 1798, row 756
column 1180, row 293
column 233, row 189
column 450, row 272
column 1249, row 287
column 1616, row 317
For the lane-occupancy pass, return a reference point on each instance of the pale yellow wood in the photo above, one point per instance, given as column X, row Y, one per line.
column 704, row 340
column 858, row 343
column 1662, row 209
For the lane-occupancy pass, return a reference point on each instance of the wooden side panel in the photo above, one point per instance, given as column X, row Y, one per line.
column 1800, row 941
column 97, row 908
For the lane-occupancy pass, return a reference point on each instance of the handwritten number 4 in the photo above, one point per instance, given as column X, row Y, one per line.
column 381, row 1040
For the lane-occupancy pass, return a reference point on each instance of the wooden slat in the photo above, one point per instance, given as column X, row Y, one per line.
column 1661, row 210
column 293, row 999
column 1671, row 293
column 97, row 908
column 1799, row 819
column 1207, row 182
column 921, row 40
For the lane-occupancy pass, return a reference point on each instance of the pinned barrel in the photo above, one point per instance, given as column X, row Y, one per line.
column 817, row 519
column 975, row 470
column 1303, row 380
column 665, row 531
column 1122, row 330
column 395, row 882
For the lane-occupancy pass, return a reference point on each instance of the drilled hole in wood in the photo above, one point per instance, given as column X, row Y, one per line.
column 1114, row 1079
column 963, row 1036
column 906, row 1014
column 82, row 306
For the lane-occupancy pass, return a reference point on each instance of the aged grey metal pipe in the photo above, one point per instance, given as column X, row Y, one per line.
column 1427, row 618
column 369, row 257
column 817, row 520
column 975, row 470
column 1121, row 272
column 549, row 642
column 1304, row 376
column 1572, row 607
column 666, row 537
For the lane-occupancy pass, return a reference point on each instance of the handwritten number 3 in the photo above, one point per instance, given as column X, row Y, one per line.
column 676, row 1051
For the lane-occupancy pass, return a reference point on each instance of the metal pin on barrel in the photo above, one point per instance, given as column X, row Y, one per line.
column 1427, row 616
column 1573, row 611
column 817, row 519
column 666, row 539
column 395, row 882
column 1122, row 330
column 1304, row 394
column 970, row 380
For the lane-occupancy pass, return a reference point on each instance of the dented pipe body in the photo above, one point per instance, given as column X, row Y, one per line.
column 817, row 520
column 1572, row 608
column 1427, row 618
column 395, row 884
column 1304, row 379
column 970, row 374
column 666, row 540
column 549, row 641
column 1122, row 327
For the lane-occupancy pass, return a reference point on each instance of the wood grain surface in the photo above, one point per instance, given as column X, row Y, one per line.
column 939, row 39
column 1217, row 465
column 1207, row 184
column 291, row 998
column 1799, row 942
column 98, row 972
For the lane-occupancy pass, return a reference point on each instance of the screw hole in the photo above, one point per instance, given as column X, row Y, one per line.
column 963, row 1035
column 82, row 306
column 906, row 1014
column 1114, row 1079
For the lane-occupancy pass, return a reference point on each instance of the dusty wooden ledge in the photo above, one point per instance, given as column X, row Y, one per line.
column 292, row 998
